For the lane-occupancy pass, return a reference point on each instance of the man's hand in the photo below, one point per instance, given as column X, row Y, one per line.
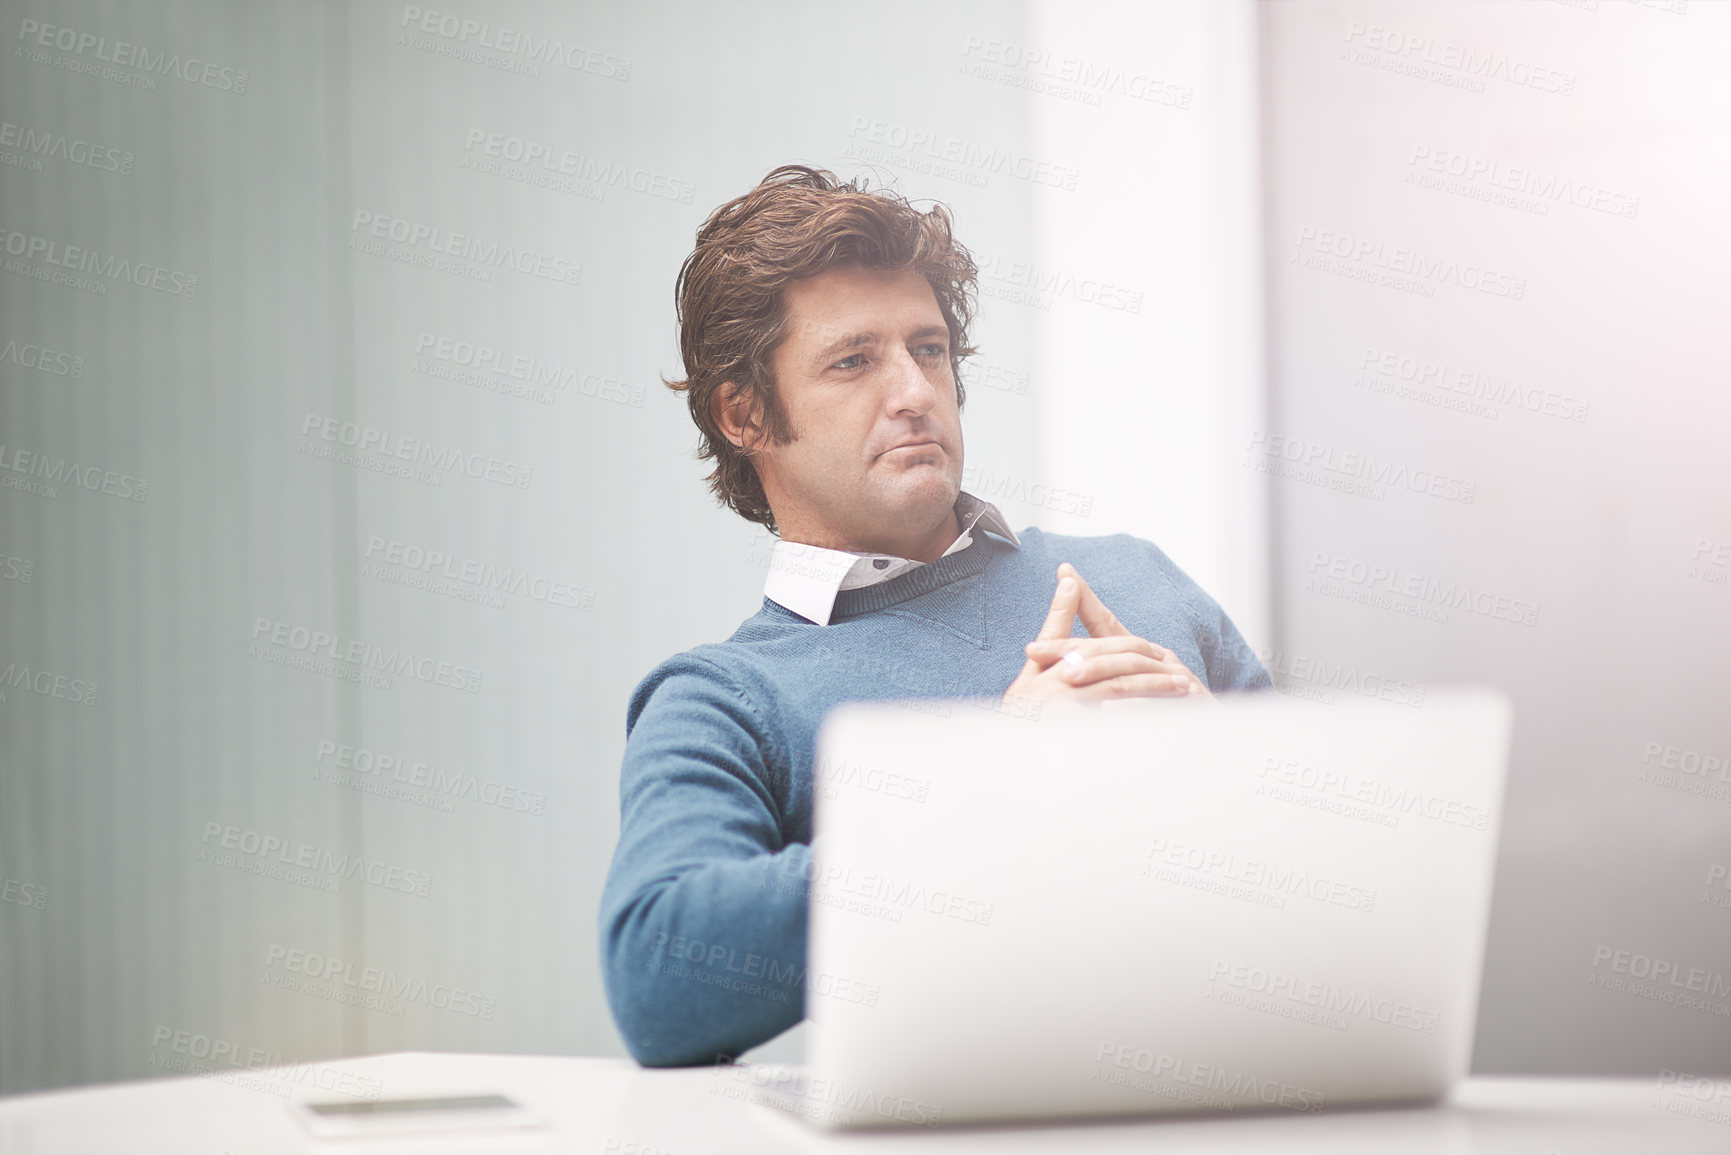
column 1111, row 663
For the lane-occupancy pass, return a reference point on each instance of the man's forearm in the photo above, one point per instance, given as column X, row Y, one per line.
column 711, row 962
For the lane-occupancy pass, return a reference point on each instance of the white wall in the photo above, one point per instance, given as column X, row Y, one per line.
column 143, row 948
column 1592, row 147
column 1145, row 412
column 1150, row 384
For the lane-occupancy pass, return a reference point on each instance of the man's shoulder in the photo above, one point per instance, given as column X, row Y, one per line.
column 738, row 664
column 1105, row 559
column 1122, row 548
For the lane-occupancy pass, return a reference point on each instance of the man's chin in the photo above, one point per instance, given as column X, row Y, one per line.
column 920, row 492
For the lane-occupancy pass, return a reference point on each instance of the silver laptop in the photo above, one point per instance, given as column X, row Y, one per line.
column 1250, row 903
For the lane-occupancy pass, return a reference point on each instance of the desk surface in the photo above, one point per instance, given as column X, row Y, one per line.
column 612, row 1106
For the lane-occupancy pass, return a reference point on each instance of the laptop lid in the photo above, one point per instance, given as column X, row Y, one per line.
column 1246, row 902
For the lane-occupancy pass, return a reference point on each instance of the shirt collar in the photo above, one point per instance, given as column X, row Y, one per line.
column 806, row 578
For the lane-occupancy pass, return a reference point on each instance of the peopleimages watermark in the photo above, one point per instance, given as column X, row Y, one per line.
column 1717, row 878
column 1327, row 999
column 750, row 973
column 188, row 1052
column 47, row 683
column 1175, row 1077
column 882, row 895
column 1253, row 880
column 1449, row 64
column 888, row 676
column 259, row 853
column 342, row 763
column 491, row 369
column 1669, row 7
column 36, row 145
column 1004, row 487
column 86, row 269
column 1697, row 1096
column 442, row 250
column 501, row 46
column 374, row 988
column 909, row 685
column 1409, row 269
column 1066, row 77
column 831, row 774
column 563, row 170
column 425, row 460
column 1315, row 679
column 42, row 475
column 873, row 893
column 1514, row 186
column 20, row 893
column 37, row 356
column 1661, row 980
column 376, row 784
column 1711, row 561
column 1387, row 587
column 1294, row 781
column 467, row 578
column 818, row 1098
column 1031, row 283
column 324, row 652
column 1690, row 771
column 1351, row 472
column 1465, row 390
column 977, row 372
column 98, row 56
column 17, row 569
column 615, row 1145
column 940, row 154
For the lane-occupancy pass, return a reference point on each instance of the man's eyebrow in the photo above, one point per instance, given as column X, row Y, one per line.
column 855, row 340
column 851, row 341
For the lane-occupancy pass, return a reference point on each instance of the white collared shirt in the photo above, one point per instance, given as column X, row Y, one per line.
column 806, row 578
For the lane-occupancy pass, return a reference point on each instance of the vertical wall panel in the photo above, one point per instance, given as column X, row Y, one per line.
column 1496, row 242
column 163, row 209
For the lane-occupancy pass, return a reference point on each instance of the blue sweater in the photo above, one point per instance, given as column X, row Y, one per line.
column 703, row 917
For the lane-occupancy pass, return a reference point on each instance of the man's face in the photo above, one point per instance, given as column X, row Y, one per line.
column 864, row 369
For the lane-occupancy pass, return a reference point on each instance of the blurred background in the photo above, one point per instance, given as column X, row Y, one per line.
column 342, row 506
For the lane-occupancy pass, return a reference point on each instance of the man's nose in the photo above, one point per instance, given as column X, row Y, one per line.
column 910, row 388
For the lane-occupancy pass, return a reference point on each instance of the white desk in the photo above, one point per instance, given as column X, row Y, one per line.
column 611, row 1105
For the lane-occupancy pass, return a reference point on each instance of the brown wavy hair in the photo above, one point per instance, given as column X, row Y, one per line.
column 798, row 222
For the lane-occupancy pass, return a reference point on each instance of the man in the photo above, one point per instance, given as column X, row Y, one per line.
column 822, row 328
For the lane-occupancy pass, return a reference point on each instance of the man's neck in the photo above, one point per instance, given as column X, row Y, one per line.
column 924, row 547
column 935, row 543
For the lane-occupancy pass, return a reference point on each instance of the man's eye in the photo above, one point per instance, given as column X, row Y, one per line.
column 934, row 350
column 854, row 362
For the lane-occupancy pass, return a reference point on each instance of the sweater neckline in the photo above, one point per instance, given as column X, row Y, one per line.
column 922, row 579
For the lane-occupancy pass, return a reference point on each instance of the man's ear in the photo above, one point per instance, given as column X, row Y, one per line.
column 734, row 409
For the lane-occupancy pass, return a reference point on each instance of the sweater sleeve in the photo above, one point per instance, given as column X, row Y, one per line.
column 1232, row 664
column 703, row 915
column 1229, row 662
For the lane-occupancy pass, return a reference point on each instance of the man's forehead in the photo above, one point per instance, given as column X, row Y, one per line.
column 850, row 303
